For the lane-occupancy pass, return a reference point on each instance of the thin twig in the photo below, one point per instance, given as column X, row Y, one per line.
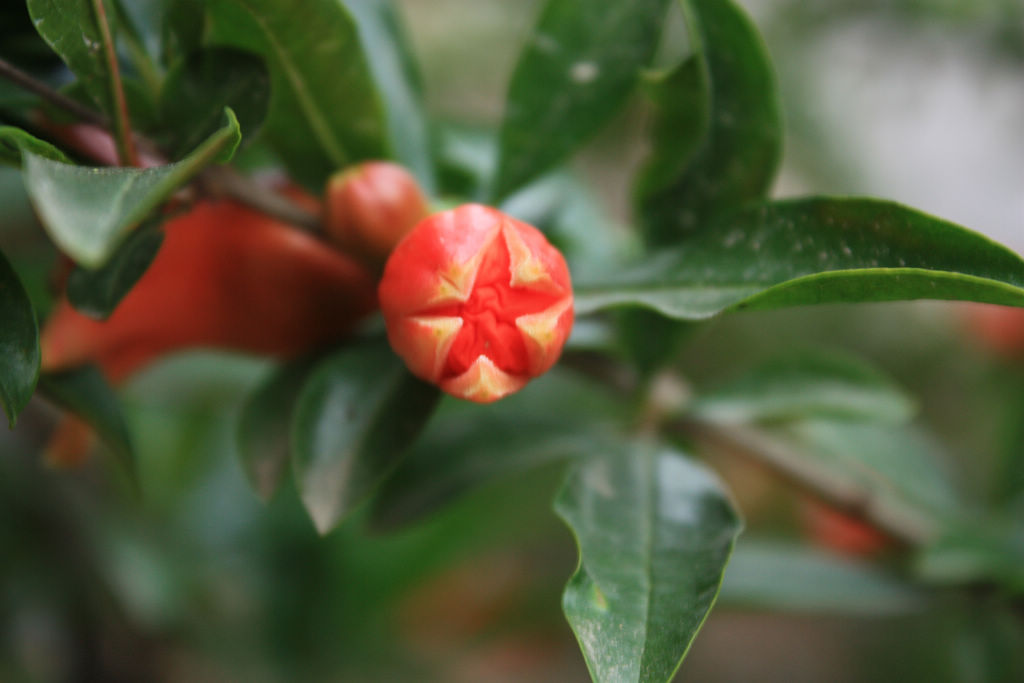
column 73, row 107
column 224, row 181
column 901, row 522
column 122, row 122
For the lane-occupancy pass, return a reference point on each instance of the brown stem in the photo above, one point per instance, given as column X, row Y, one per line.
column 75, row 108
column 122, row 123
column 899, row 521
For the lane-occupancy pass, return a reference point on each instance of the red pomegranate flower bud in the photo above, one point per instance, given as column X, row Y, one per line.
column 370, row 207
column 476, row 302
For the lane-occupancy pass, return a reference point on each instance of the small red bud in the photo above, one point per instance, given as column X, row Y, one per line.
column 370, row 207
column 476, row 302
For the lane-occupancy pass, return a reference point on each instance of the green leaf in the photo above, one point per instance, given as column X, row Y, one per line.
column 354, row 420
column 808, row 384
column 735, row 103
column 19, row 344
column 13, row 140
column 394, row 71
column 468, row 445
column 70, row 27
column 264, row 430
column 580, row 64
column 198, row 89
column 977, row 552
column 89, row 212
column 814, row 251
column 325, row 112
column 96, row 293
column 655, row 531
column 84, row 392
column 897, row 467
column 792, row 578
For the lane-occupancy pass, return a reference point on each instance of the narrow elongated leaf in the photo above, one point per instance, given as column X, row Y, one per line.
column 977, row 552
column 96, row 293
column 19, row 344
column 354, row 420
column 198, row 89
column 394, row 71
column 468, row 445
column 13, row 140
column 808, row 384
column 264, row 430
column 88, row 212
column 580, row 63
column 655, row 531
column 84, row 392
column 70, row 27
column 738, row 156
column 812, row 251
column 325, row 112
column 791, row 578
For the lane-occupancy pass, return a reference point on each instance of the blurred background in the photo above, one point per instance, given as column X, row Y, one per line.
column 920, row 101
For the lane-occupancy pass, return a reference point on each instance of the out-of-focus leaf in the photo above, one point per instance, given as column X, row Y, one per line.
column 790, row 578
column 19, row 344
column 264, row 430
column 96, row 293
column 980, row 551
column 655, row 531
column 325, row 112
column 354, row 420
column 13, row 140
column 394, row 70
column 808, row 384
column 813, row 251
column 898, row 466
column 84, row 392
column 182, row 29
column 740, row 149
column 198, row 89
column 465, row 158
column 468, row 445
column 568, row 213
column 575, row 72
column 71, row 28
column 89, row 212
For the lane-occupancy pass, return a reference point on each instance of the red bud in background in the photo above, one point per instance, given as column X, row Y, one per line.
column 477, row 302
column 226, row 277
column 370, row 207
column 842, row 533
column 1001, row 328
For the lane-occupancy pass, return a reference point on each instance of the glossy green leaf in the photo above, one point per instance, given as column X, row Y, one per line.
column 581, row 62
column 325, row 112
column 655, row 531
column 814, row 251
column 182, row 29
column 354, row 420
column 264, row 429
column 791, row 578
column 13, row 140
column 84, row 392
column 393, row 66
column 198, row 89
column 468, row 445
column 96, row 293
column 89, row 212
column 807, row 384
column 740, row 149
column 70, row 27
column 19, row 344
